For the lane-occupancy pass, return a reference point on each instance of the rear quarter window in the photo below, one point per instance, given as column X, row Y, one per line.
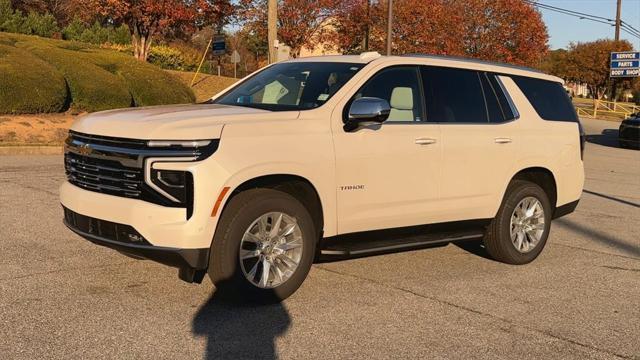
column 548, row 98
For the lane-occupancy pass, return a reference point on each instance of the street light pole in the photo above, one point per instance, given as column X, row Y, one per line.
column 272, row 30
column 389, row 25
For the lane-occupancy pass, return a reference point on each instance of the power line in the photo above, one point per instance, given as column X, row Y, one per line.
column 584, row 16
column 576, row 13
column 626, row 24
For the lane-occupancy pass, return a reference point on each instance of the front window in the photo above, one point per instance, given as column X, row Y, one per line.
column 291, row 86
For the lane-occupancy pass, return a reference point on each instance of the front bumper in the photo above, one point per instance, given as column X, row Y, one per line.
column 128, row 241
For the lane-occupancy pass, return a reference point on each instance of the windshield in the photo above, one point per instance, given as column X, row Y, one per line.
column 291, row 86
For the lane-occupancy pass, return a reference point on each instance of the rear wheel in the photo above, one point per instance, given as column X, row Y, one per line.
column 520, row 230
column 263, row 248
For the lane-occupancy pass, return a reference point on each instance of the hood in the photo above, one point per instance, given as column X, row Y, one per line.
column 174, row 122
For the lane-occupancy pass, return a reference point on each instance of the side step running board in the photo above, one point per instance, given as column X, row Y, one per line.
column 386, row 241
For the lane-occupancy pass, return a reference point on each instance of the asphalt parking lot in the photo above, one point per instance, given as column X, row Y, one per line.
column 62, row 297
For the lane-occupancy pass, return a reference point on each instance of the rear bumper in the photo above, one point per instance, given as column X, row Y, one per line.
column 95, row 230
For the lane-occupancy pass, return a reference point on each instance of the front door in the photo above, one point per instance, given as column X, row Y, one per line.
column 388, row 175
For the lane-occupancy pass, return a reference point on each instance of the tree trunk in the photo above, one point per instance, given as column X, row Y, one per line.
column 141, row 44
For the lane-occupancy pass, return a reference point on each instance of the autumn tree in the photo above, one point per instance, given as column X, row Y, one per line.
column 556, row 63
column 148, row 19
column 589, row 63
column 301, row 23
column 501, row 30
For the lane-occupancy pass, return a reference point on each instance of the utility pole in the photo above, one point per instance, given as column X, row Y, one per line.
column 389, row 25
column 619, row 6
column 365, row 43
column 272, row 29
column 614, row 82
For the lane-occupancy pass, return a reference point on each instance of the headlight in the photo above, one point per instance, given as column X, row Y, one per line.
column 172, row 184
column 169, row 186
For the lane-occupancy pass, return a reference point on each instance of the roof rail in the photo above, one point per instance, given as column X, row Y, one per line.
column 370, row 55
column 474, row 61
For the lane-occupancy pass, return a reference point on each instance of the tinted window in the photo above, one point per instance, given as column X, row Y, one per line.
column 400, row 86
column 453, row 95
column 291, row 86
column 493, row 106
column 505, row 106
column 548, row 98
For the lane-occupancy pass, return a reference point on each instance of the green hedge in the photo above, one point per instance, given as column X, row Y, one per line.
column 97, row 79
column 28, row 84
column 147, row 84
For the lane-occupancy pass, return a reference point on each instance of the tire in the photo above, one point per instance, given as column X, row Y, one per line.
column 498, row 237
column 231, row 275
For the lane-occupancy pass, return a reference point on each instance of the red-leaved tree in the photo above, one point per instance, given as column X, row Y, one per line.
column 300, row 22
column 501, row 30
column 148, row 19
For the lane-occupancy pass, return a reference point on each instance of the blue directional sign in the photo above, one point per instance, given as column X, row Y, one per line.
column 218, row 47
column 625, row 55
column 625, row 64
column 625, row 72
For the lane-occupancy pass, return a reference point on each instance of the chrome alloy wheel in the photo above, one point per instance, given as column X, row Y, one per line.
column 527, row 224
column 271, row 249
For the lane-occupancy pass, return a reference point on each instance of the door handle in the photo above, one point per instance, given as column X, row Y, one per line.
column 425, row 141
column 502, row 140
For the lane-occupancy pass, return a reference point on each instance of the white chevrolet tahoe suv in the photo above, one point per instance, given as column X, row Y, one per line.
column 328, row 156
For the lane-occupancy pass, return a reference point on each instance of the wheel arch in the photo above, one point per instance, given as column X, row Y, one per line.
column 542, row 177
column 295, row 185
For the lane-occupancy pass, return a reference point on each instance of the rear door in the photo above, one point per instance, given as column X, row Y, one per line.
column 480, row 139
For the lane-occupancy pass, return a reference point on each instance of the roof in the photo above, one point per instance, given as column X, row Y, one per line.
column 437, row 60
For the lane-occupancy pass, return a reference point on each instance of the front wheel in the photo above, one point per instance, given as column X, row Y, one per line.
column 520, row 230
column 263, row 248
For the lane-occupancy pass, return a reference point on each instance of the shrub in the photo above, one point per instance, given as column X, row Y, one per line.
column 73, row 30
column 178, row 56
column 147, row 85
column 36, row 24
column 96, row 33
column 97, row 79
column 92, row 88
column 29, row 85
column 166, row 57
column 120, row 35
column 41, row 25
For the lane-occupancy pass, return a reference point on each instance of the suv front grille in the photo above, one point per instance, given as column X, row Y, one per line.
column 106, row 176
column 116, row 166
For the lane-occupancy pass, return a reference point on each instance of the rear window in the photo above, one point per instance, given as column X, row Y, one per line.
column 548, row 98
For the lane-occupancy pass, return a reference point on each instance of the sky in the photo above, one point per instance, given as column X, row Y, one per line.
column 564, row 29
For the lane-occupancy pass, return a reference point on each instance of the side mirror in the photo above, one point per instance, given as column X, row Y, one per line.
column 367, row 110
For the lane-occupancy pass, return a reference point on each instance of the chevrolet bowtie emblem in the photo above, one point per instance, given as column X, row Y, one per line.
column 85, row 149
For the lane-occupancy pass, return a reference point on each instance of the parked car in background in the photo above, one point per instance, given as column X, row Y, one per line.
column 332, row 156
column 629, row 132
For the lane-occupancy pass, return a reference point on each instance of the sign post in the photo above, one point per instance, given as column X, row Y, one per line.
column 235, row 59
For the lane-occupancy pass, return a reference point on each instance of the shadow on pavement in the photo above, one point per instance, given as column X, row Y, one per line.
column 475, row 247
column 599, row 236
column 608, row 137
column 237, row 331
column 612, row 198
